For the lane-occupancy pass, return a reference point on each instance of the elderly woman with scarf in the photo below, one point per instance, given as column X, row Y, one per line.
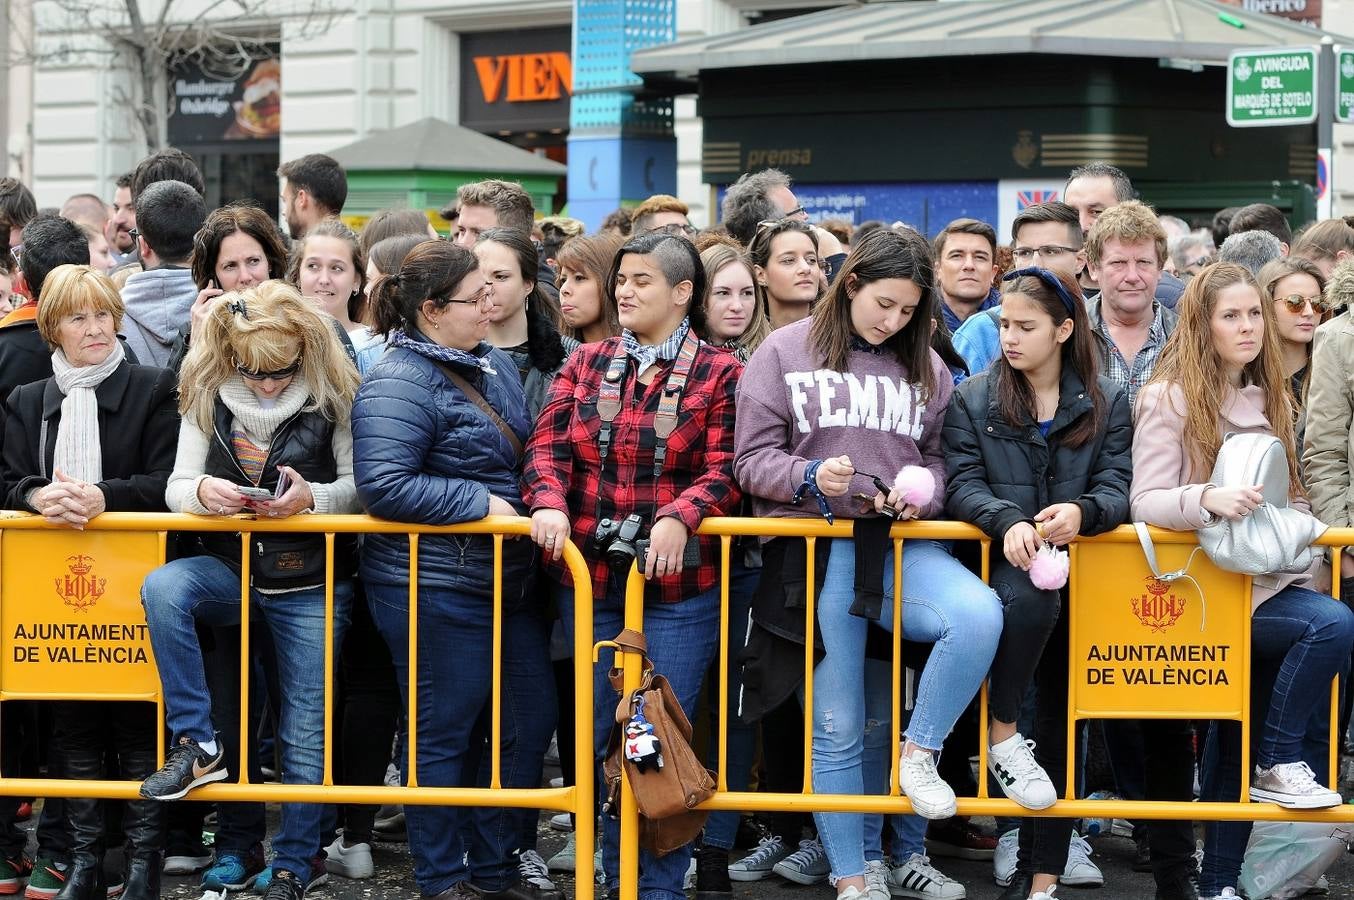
column 97, row 436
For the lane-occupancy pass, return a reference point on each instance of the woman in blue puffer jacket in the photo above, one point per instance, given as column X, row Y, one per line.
column 426, row 451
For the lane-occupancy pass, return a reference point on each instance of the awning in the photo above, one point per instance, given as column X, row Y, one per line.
column 436, row 145
column 1200, row 31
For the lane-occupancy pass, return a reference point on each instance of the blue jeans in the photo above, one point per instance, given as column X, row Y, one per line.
column 722, row 826
column 204, row 589
column 453, row 844
column 1300, row 640
column 682, row 639
column 944, row 604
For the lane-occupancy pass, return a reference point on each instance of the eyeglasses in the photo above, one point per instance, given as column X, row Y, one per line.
column 135, row 233
column 1296, row 303
column 479, row 298
column 797, row 211
column 1047, row 251
column 16, row 253
column 275, row 375
column 675, row 228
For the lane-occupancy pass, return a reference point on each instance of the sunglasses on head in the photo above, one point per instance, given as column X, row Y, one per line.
column 276, row 374
column 1296, row 303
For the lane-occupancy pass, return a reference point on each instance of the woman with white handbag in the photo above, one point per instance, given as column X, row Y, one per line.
column 1222, row 373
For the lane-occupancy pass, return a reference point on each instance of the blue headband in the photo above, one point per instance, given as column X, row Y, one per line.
column 1051, row 281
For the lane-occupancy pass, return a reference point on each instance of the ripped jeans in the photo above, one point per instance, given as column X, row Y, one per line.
column 944, row 604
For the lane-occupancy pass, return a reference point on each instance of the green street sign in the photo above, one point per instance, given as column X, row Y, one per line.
column 1272, row 87
column 1344, row 84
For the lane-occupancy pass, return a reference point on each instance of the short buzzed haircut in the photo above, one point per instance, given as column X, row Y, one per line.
column 966, row 226
column 1053, row 211
column 642, row 215
column 1252, row 249
column 50, row 241
column 1123, row 185
column 1262, row 217
column 1128, row 222
column 169, row 164
column 321, row 177
column 746, row 203
column 17, row 206
column 168, row 215
column 508, row 199
column 86, row 209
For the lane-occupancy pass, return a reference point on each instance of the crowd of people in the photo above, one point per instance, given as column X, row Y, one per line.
column 618, row 388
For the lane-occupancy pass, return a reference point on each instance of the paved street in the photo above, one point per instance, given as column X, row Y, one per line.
column 1113, row 854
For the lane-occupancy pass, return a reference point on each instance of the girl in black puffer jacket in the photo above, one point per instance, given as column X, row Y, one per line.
column 1037, row 450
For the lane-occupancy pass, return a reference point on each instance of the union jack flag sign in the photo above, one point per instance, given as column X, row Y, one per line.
column 1029, row 198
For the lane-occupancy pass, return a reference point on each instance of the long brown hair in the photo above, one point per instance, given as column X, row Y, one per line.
column 1015, row 397
column 1269, row 277
column 1191, row 363
column 715, row 258
column 592, row 255
column 887, row 253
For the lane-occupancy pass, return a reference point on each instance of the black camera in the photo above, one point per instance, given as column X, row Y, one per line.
column 616, row 541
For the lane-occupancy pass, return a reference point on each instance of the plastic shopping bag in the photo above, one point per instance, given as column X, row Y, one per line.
column 1285, row 859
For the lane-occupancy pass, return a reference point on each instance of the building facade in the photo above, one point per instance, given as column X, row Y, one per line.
column 502, row 67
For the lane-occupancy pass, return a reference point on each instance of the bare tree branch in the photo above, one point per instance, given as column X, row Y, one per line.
column 223, row 42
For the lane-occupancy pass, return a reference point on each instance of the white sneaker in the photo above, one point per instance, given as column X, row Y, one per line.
column 564, row 860
column 852, row 893
column 807, row 865
column 1021, row 778
column 759, row 863
column 931, row 797
column 877, row 879
column 1227, row 894
column 919, row 879
column 1044, row 895
column 1292, row 785
column 348, row 862
column 1004, row 861
column 533, row 871
column 1080, row 871
column 561, row 822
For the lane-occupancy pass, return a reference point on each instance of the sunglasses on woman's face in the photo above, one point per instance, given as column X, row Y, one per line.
column 1296, row 303
column 275, row 375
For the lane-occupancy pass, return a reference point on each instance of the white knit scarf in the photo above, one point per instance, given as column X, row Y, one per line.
column 79, row 451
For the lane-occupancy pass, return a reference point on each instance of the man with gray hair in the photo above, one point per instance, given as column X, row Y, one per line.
column 1190, row 253
column 758, row 197
column 1251, row 249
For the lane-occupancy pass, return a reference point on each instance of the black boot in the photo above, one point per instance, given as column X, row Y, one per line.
column 142, row 881
column 84, row 817
column 84, row 879
column 144, row 823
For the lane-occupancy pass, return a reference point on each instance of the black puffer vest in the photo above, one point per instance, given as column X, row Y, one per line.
column 280, row 561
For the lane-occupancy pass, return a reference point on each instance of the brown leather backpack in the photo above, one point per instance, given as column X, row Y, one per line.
column 668, row 796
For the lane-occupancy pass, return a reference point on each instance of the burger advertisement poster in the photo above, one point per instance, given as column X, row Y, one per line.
column 209, row 107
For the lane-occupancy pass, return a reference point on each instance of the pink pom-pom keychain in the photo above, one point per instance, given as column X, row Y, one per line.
column 1049, row 570
column 916, row 484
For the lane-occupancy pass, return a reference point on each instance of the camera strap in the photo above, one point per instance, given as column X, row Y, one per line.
column 669, row 402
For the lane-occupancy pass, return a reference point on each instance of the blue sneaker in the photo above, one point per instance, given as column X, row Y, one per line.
column 234, row 871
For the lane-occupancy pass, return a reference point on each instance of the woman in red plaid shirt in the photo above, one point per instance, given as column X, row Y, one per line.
column 590, row 476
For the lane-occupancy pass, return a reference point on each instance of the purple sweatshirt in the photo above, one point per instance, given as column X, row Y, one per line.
column 792, row 410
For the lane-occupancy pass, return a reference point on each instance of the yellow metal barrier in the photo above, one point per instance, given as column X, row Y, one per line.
column 1107, row 564
column 72, row 628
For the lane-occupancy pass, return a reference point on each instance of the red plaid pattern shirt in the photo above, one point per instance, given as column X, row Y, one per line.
column 563, row 459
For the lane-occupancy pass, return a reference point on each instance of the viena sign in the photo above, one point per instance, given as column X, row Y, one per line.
column 1272, row 87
